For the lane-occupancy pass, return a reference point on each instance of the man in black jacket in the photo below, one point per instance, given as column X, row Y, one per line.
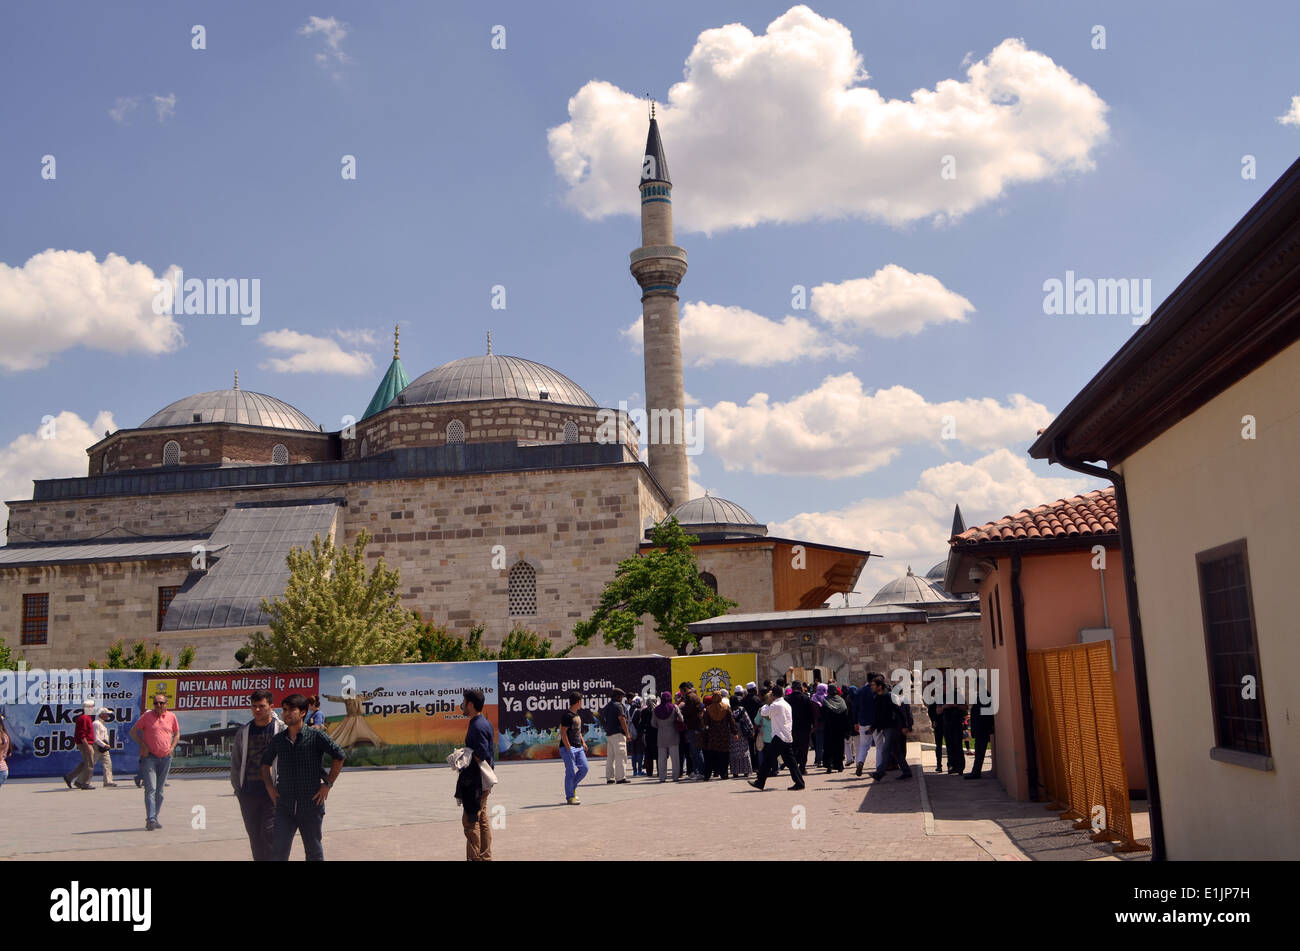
column 802, row 714
column 895, row 720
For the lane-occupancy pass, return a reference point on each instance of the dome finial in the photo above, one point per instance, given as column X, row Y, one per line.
column 397, row 329
column 236, row 379
column 489, row 336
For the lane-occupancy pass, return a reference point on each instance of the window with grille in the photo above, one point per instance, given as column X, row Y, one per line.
column 570, row 431
column 36, row 619
column 280, row 455
column 711, row 581
column 172, row 453
column 165, row 596
column 523, row 589
column 455, row 432
column 1228, row 612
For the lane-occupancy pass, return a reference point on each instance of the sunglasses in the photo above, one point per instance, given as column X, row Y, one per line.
column 160, row 703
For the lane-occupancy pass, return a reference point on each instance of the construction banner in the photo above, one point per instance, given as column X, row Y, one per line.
column 534, row 694
column 398, row 714
column 711, row 672
column 40, row 712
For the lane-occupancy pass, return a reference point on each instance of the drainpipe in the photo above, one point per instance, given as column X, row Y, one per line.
column 1022, row 667
column 1139, row 646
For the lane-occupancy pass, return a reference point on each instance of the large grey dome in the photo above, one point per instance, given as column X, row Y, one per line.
column 908, row 589
column 712, row 515
column 231, row 406
column 493, row 377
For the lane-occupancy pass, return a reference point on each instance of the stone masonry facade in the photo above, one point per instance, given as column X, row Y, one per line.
column 572, row 526
column 212, row 444
column 850, row 650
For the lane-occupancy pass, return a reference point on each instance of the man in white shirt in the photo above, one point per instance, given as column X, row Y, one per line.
column 103, row 749
column 782, row 719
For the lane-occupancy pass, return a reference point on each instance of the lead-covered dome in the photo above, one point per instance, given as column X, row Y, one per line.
column 493, row 377
column 908, row 589
column 710, row 515
column 231, row 406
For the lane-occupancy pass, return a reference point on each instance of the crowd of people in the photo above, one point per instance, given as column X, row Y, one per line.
column 759, row 730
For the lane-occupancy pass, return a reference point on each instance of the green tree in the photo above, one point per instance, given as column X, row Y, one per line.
column 435, row 643
column 142, row 657
column 523, row 644
column 335, row 612
column 7, row 659
column 664, row 583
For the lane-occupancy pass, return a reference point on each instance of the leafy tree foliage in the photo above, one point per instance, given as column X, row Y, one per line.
column 143, row 657
column 335, row 612
column 664, row 583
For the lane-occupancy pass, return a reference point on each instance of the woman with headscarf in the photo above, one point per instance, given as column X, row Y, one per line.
column 718, row 729
column 740, row 763
column 6, row 748
column 819, row 729
column 850, row 695
column 668, row 724
column 645, row 724
column 837, row 725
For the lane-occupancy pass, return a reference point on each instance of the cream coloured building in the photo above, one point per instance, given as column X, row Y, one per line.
column 1198, row 421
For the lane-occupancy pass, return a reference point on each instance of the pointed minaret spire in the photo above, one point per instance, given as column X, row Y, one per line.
column 236, row 379
column 958, row 523
column 659, row 266
column 397, row 330
column 489, row 353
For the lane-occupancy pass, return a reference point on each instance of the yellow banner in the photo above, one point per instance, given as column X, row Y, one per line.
column 714, row 671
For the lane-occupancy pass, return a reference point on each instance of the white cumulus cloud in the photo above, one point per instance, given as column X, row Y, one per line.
column 779, row 127
column 309, row 354
column 123, row 106
column 63, row 299
column 715, row 332
column 911, row 529
column 1292, row 115
column 54, row 450
column 839, row 429
column 891, row 303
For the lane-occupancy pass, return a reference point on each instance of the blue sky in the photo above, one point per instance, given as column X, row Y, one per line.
column 1123, row 162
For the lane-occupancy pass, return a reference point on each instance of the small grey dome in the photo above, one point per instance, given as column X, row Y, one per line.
column 908, row 589
column 493, row 377
column 936, row 573
column 713, row 515
column 231, row 406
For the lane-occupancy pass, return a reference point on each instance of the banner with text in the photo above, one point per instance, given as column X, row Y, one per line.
column 395, row 714
column 533, row 697
column 211, row 707
column 44, row 733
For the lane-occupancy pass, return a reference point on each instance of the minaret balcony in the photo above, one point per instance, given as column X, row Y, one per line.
column 658, row 264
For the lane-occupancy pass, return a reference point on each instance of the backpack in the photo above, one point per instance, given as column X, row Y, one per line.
column 744, row 724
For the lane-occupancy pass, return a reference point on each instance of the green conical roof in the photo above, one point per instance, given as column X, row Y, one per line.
column 394, row 381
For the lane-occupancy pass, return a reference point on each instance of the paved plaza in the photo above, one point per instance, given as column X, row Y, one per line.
column 409, row 814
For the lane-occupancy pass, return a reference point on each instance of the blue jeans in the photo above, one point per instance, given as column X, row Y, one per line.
column 4, row 773
column 298, row 816
column 575, row 769
column 697, row 756
column 153, row 770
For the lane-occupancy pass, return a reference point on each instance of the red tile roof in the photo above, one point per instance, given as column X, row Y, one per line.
column 1090, row 514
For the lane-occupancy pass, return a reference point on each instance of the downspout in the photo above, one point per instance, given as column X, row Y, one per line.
column 1139, row 646
column 1022, row 668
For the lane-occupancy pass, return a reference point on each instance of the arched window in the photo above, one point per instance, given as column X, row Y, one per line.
column 365, row 447
column 280, row 455
column 455, row 432
column 103, row 464
column 570, row 431
column 172, row 453
column 711, row 581
column 523, row 589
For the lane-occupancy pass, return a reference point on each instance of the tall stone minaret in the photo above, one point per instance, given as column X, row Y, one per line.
column 659, row 266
